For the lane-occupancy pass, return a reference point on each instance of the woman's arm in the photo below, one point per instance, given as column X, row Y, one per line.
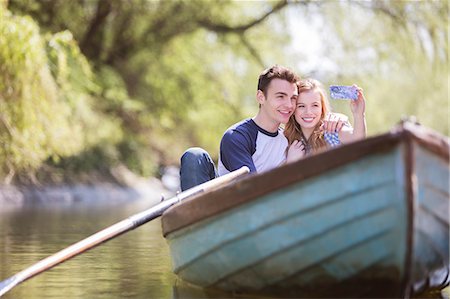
column 359, row 131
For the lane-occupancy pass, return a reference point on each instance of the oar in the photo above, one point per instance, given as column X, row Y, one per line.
column 113, row 231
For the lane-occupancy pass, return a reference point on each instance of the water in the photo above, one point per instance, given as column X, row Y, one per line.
column 134, row 265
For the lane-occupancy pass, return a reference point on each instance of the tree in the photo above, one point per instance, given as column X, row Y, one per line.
column 148, row 61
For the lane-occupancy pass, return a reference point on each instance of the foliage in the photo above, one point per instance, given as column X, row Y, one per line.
column 46, row 97
column 396, row 51
column 28, row 100
column 142, row 79
column 409, row 67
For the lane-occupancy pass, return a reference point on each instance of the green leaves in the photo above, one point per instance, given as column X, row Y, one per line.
column 46, row 98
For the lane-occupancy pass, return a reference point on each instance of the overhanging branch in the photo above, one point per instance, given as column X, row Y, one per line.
column 224, row 28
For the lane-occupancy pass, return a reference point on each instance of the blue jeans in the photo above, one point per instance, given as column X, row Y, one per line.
column 196, row 168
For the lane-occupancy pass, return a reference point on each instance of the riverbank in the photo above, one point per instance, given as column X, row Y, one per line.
column 125, row 187
column 20, row 195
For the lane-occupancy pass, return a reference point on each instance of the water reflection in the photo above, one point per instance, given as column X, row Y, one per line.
column 134, row 265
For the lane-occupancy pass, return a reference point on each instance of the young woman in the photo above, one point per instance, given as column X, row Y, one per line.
column 305, row 131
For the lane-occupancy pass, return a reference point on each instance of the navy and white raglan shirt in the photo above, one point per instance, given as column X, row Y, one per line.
column 247, row 144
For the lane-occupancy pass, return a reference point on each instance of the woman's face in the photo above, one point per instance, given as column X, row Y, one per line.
column 309, row 109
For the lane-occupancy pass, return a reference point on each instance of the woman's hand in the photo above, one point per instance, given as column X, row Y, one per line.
column 296, row 151
column 358, row 106
column 334, row 122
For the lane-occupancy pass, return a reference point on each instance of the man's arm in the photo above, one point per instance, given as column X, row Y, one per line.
column 236, row 150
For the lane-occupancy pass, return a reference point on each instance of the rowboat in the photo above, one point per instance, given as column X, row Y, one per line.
column 367, row 219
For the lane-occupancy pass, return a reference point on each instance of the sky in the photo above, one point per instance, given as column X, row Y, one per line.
column 307, row 33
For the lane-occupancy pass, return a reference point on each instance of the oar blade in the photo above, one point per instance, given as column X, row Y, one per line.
column 8, row 284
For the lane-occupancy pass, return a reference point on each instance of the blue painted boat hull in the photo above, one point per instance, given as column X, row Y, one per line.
column 370, row 221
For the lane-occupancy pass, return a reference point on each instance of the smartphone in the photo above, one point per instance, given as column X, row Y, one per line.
column 343, row 92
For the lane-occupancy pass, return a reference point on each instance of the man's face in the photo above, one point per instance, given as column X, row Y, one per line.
column 279, row 102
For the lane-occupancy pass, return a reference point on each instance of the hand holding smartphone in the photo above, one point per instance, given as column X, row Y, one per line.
column 343, row 92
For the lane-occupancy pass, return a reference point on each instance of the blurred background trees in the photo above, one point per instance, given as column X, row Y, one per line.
column 88, row 85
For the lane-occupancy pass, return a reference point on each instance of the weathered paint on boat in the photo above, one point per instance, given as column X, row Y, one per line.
column 366, row 219
column 431, row 221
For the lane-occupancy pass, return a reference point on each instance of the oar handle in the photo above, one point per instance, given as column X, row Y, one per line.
column 147, row 215
column 114, row 231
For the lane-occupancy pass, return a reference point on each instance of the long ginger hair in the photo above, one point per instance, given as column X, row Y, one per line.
column 293, row 131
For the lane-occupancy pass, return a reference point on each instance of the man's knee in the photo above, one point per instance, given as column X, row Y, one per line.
column 194, row 155
column 196, row 167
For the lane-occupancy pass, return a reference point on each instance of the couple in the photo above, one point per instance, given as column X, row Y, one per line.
column 261, row 144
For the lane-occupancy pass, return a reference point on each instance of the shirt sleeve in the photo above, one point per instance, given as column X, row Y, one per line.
column 236, row 150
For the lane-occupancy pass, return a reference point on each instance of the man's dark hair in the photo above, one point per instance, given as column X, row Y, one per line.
column 276, row 72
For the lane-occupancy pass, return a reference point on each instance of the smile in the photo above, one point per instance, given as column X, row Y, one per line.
column 308, row 119
column 285, row 112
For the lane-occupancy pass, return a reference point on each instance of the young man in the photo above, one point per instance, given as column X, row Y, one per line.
column 259, row 142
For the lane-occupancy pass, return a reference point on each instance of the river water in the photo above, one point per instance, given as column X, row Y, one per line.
column 134, row 265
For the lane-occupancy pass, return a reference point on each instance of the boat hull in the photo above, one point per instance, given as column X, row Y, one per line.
column 430, row 263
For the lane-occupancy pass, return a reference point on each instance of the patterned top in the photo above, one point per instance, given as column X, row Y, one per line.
column 332, row 139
